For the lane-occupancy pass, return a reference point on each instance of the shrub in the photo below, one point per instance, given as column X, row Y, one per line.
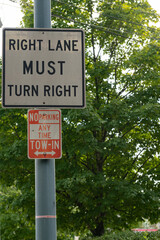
column 127, row 235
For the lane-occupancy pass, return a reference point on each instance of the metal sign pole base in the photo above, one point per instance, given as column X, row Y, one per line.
column 45, row 199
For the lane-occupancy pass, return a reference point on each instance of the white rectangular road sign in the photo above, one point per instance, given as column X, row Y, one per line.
column 43, row 68
column 44, row 134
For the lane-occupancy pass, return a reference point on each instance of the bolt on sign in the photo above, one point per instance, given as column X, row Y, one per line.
column 43, row 68
column 44, row 134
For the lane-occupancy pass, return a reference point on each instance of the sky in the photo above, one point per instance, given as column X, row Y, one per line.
column 155, row 4
column 10, row 14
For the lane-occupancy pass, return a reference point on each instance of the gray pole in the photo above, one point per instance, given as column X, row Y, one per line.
column 44, row 168
column 42, row 13
column 45, row 199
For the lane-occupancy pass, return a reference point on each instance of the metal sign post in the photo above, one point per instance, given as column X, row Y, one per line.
column 44, row 168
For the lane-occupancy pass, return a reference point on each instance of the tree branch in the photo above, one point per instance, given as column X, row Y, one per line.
column 133, row 163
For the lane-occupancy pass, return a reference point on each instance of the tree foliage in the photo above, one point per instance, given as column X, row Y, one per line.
column 109, row 174
column 17, row 204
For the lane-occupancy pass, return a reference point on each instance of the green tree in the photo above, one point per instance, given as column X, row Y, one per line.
column 109, row 171
column 109, row 174
column 17, row 204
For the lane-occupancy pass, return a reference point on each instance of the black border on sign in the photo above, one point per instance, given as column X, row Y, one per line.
column 44, row 106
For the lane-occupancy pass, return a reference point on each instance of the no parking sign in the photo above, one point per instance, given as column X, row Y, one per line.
column 44, row 134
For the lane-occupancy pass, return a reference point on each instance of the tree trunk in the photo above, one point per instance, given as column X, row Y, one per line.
column 99, row 230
